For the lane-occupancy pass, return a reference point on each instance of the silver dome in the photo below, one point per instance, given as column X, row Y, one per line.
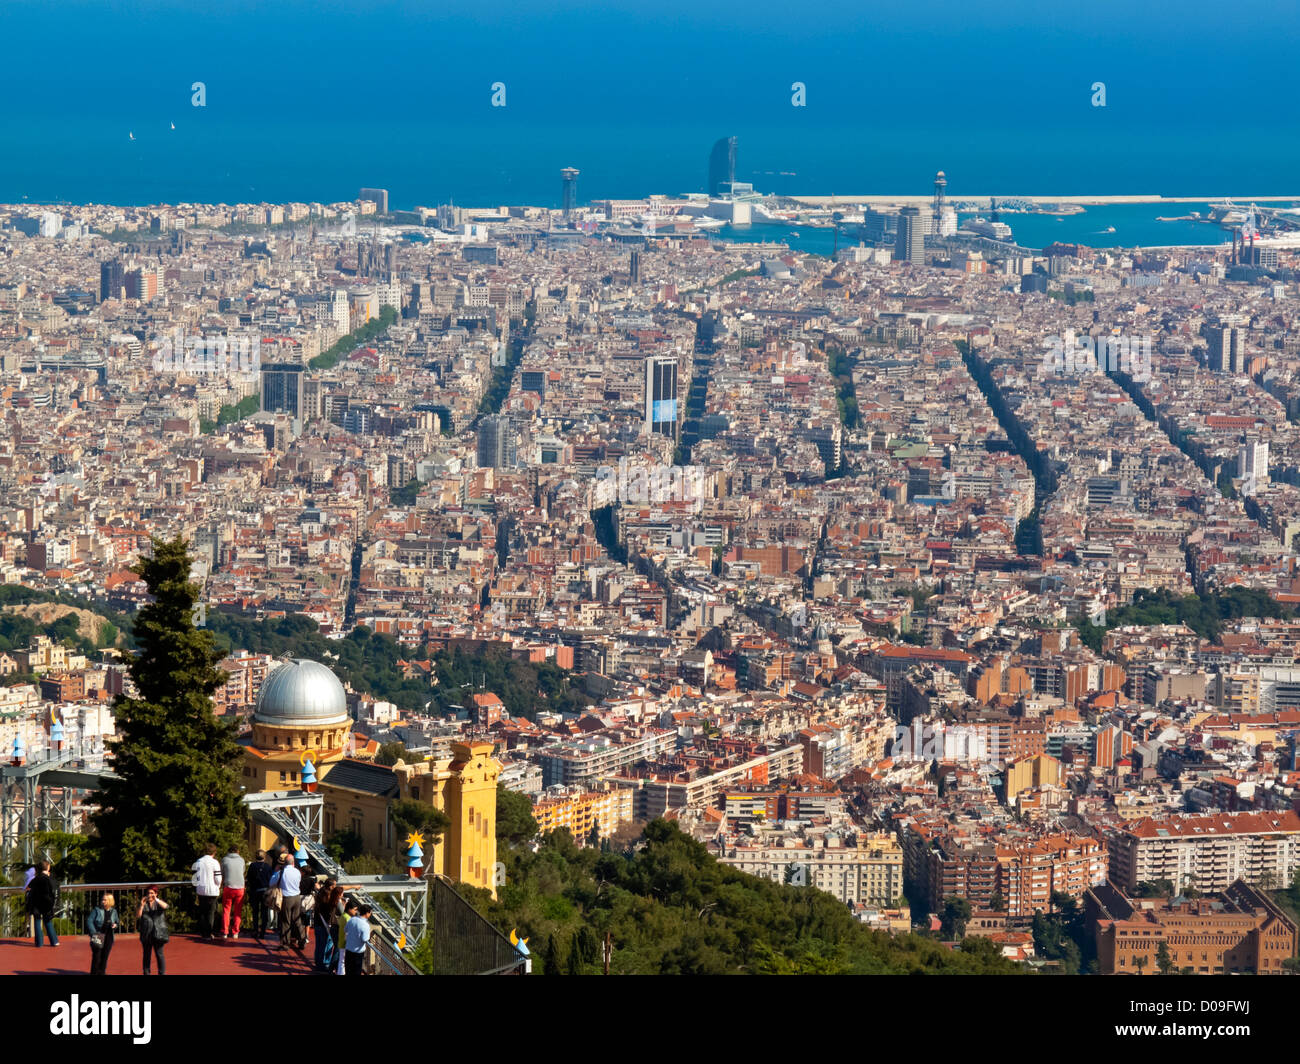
column 301, row 692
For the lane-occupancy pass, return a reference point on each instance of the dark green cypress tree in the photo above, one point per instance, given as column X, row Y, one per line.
column 177, row 763
column 551, row 958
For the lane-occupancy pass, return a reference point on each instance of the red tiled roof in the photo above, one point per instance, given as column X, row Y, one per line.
column 1245, row 823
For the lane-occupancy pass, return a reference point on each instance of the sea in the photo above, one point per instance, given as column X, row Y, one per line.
column 163, row 101
column 207, row 161
column 1134, row 225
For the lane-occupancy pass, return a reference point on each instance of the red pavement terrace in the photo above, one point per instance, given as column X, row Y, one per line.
column 186, row 955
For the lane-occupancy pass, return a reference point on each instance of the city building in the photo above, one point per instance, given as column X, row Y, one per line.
column 579, row 810
column 112, row 280
column 569, row 181
column 1227, row 349
column 377, row 196
column 909, row 245
column 301, row 709
column 1252, row 464
column 141, row 284
column 282, row 388
column 722, row 167
column 498, row 445
column 302, row 715
column 1238, row 930
column 661, row 410
column 1209, row 851
column 865, row 869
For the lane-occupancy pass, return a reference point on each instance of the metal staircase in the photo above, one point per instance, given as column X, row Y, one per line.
column 296, row 817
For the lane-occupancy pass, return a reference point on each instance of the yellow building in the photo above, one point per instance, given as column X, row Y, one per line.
column 45, row 655
column 1033, row 770
column 580, row 811
column 464, row 786
column 865, row 871
column 302, row 711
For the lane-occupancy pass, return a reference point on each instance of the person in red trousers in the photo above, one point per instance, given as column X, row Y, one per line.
column 232, row 891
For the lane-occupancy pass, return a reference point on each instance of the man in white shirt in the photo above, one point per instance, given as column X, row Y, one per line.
column 207, row 885
column 289, row 880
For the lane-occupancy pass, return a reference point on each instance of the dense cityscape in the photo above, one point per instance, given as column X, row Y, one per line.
column 953, row 579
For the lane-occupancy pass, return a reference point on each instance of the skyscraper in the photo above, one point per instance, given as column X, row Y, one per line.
column 282, row 388
column 569, row 176
column 377, row 196
column 722, row 166
column 112, row 279
column 634, row 267
column 661, row 396
column 141, row 284
column 340, row 312
column 312, row 407
column 1252, row 464
column 1227, row 352
column 498, row 445
column 909, row 246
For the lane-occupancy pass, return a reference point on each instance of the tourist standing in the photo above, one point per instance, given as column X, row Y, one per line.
column 307, row 886
column 357, row 941
column 325, row 919
column 289, row 880
column 101, row 925
column 347, row 909
column 207, row 885
column 151, row 919
column 257, row 879
column 28, row 876
column 41, row 898
column 232, row 891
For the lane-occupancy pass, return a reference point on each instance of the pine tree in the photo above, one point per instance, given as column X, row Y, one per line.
column 177, row 764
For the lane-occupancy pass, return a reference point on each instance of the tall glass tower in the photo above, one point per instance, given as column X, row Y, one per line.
column 498, row 443
column 282, row 388
column 722, row 166
column 570, row 178
column 661, row 414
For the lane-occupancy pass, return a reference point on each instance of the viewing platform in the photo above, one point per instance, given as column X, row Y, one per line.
column 185, row 954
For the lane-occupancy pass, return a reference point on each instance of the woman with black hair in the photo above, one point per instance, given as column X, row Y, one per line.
column 151, row 919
